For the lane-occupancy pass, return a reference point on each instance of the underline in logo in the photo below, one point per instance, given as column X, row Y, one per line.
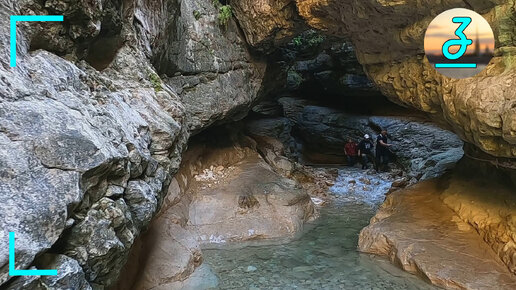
column 455, row 65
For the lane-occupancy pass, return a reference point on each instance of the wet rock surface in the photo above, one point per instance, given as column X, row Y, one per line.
column 421, row 234
column 325, row 256
column 251, row 202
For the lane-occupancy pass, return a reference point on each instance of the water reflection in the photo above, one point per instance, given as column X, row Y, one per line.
column 324, row 257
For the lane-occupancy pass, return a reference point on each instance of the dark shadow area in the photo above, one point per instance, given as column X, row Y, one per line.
column 103, row 50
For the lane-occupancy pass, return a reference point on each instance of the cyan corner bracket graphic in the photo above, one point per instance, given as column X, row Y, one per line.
column 14, row 272
column 16, row 18
column 463, row 42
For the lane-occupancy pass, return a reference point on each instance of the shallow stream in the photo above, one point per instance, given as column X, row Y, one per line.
column 324, row 256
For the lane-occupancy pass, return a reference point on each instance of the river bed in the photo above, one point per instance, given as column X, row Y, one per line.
column 325, row 255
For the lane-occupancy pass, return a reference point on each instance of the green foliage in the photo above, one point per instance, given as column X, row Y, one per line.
column 297, row 41
column 309, row 39
column 225, row 14
column 155, row 81
column 315, row 40
column 197, row 14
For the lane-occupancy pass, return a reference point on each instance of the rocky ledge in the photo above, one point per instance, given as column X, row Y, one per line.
column 388, row 40
column 222, row 194
column 432, row 229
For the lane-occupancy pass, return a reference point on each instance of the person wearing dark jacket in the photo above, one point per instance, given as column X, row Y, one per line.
column 365, row 148
column 382, row 151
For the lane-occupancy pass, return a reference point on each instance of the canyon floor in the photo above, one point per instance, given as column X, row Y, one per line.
column 413, row 228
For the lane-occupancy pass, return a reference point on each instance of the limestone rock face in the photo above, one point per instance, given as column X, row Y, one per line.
column 388, row 37
column 254, row 202
column 418, row 232
column 267, row 23
column 71, row 275
column 423, row 148
column 72, row 151
column 490, row 208
column 208, row 65
column 90, row 136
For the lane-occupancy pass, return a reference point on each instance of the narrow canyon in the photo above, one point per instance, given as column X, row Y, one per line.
column 202, row 144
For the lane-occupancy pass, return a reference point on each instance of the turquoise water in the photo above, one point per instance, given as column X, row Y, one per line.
column 325, row 256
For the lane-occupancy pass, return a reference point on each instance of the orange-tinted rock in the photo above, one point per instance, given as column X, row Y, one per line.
column 388, row 37
column 418, row 232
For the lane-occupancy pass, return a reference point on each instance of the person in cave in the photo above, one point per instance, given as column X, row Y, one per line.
column 350, row 149
column 365, row 151
column 382, row 152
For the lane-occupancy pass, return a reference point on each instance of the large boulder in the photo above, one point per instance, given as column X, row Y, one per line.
column 421, row 234
column 209, row 66
column 250, row 202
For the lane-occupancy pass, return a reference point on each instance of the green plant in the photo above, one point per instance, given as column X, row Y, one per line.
column 315, row 40
column 155, row 81
column 197, row 14
column 309, row 39
column 297, row 41
column 225, row 14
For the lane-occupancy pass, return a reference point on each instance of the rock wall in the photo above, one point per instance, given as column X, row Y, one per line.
column 224, row 192
column 268, row 23
column 422, row 235
column 422, row 148
column 483, row 196
column 322, row 67
column 90, row 136
column 209, row 65
column 388, row 40
column 480, row 109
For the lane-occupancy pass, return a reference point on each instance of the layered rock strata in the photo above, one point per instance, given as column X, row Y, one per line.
column 90, row 136
column 221, row 194
column 316, row 134
column 432, row 229
column 388, row 40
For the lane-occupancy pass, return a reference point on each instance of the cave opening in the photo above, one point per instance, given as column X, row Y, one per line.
column 101, row 52
column 320, row 93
